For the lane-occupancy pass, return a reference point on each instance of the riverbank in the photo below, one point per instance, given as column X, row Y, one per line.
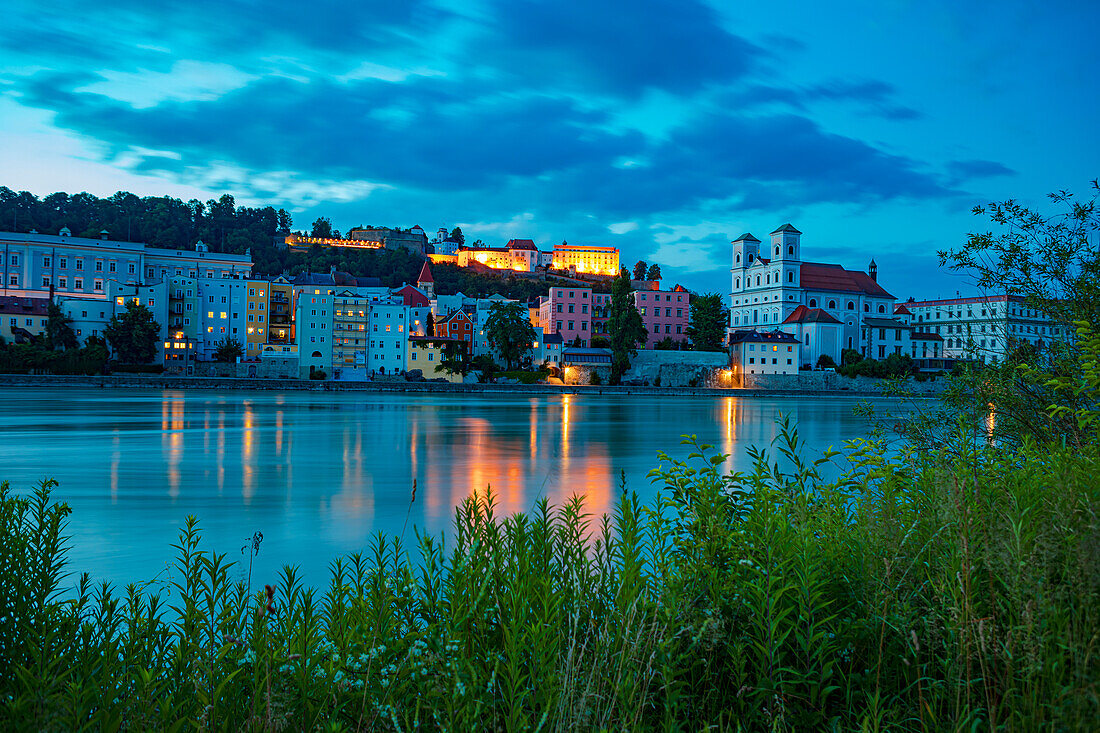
column 147, row 381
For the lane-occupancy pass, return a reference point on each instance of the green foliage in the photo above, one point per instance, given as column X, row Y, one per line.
column 458, row 236
column 228, row 349
column 485, row 367
column 895, row 366
column 133, row 334
column 707, row 328
column 509, row 331
column 59, row 329
column 322, row 228
column 654, row 272
column 25, row 358
column 639, row 270
column 594, row 377
column 318, row 374
column 939, row 590
column 850, row 356
column 826, row 362
column 625, row 328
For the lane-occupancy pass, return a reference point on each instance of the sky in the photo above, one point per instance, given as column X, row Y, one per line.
column 663, row 127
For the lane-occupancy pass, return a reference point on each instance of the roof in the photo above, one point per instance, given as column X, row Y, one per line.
column 823, row 276
column 455, row 314
column 746, row 237
column 787, row 228
column 754, row 336
column 314, row 278
column 11, row 304
column 413, row 297
column 901, row 310
column 521, row 244
column 553, row 338
column 417, row 226
column 924, row 336
column 802, row 314
column 425, row 275
column 884, row 323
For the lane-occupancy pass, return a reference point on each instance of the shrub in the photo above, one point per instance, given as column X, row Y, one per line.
column 318, row 374
column 595, row 378
column 826, row 362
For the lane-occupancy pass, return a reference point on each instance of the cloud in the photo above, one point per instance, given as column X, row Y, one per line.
column 622, row 227
column 674, row 45
column 965, row 170
column 873, row 95
column 185, row 81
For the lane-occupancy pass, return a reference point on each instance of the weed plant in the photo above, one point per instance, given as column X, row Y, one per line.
column 940, row 590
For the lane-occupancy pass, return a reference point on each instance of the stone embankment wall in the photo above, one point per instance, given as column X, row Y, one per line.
column 680, row 368
column 827, row 381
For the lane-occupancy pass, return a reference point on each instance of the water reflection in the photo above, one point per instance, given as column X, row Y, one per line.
column 319, row 474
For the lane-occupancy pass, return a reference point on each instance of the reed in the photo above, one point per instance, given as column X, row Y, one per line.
column 952, row 589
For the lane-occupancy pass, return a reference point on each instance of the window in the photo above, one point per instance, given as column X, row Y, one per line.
column 851, row 306
column 98, row 285
column 62, row 282
column 832, row 304
column 132, row 268
column 65, row 264
column 14, row 259
column 13, row 280
column 45, row 281
column 111, row 266
column 78, row 283
column 813, row 302
column 46, row 261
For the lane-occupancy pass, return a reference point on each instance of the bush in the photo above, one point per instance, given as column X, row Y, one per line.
column 594, row 377
column 850, row 356
column 826, row 362
column 318, row 374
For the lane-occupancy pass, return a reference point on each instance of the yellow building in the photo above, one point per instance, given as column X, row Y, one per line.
column 257, row 317
column 426, row 353
column 586, row 259
column 22, row 314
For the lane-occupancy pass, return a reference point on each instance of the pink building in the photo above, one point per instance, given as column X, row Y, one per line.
column 568, row 311
column 665, row 313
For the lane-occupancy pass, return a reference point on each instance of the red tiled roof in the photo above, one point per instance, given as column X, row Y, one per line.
column 821, row 276
column 802, row 314
column 901, row 310
column 521, row 244
column 425, row 275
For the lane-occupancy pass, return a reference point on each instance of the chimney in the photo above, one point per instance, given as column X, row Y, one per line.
column 872, row 270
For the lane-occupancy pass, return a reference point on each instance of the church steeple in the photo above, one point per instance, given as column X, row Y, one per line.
column 425, row 281
column 872, row 270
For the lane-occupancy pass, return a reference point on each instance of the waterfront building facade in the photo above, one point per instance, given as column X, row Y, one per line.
column 313, row 319
column 665, row 314
column 769, row 282
column 22, row 317
column 764, row 352
column 567, row 311
column 985, row 328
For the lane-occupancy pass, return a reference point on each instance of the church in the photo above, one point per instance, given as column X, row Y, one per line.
column 822, row 304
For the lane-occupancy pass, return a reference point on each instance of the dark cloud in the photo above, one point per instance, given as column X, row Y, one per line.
column 874, row 95
column 425, row 133
column 675, row 45
column 965, row 170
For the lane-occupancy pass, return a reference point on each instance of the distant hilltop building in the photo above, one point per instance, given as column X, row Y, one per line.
column 413, row 240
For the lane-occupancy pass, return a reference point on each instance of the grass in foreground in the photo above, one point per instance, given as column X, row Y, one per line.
column 949, row 590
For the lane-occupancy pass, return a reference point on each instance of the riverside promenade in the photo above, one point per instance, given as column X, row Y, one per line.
column 859, row 387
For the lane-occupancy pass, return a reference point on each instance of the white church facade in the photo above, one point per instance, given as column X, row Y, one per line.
column 771, row 281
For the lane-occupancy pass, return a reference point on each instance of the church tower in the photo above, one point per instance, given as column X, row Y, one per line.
column 426, row 282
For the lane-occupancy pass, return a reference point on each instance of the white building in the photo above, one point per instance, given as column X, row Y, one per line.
column 313, row 323
column 769, row 282
column 764, row 352
column 222, row 310
column 986, row 328
column 817, row 332
column 90, row 317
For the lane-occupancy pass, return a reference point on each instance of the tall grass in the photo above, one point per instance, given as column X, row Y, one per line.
column 956, row 589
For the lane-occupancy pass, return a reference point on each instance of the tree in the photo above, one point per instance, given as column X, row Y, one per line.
column 133, row 334
column 624, row 327
column 285, row 220
column 654, row 272
column 456, row 358
column 639, row 270
column 59, row 329
column 509, row 331
column 456, row 235
column 486, row 366
column 322, row 228
column 707, row 326
column 429, row 324
column 229, row 348
column 825, row 362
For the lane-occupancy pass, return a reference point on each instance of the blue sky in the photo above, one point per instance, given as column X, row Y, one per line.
column 663, row 127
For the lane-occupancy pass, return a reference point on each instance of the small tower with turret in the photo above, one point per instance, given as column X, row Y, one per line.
column 872, row 270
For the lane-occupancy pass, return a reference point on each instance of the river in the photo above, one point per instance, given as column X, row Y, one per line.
column 320, row 473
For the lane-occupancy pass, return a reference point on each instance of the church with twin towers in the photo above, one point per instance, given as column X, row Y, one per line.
column 824, row 305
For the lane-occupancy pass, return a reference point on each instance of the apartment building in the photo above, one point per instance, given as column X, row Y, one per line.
column 986, row 328
column 567, row 311
column 764, row 352
column 665, row 314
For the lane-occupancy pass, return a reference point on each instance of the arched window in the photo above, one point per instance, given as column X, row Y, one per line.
column 790, row 249
column 790, row 276
column 767, row 278
column 737, row 282
column 757, row 279
column 851, row 306
column 777, row 250
column 316, row 355
column 749, row 260
column 882, row 309
column 813, row 302
column 832, row 305
column 738, row 256
column 866, row 308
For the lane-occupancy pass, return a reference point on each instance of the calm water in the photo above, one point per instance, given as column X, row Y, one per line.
column 318, row 474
